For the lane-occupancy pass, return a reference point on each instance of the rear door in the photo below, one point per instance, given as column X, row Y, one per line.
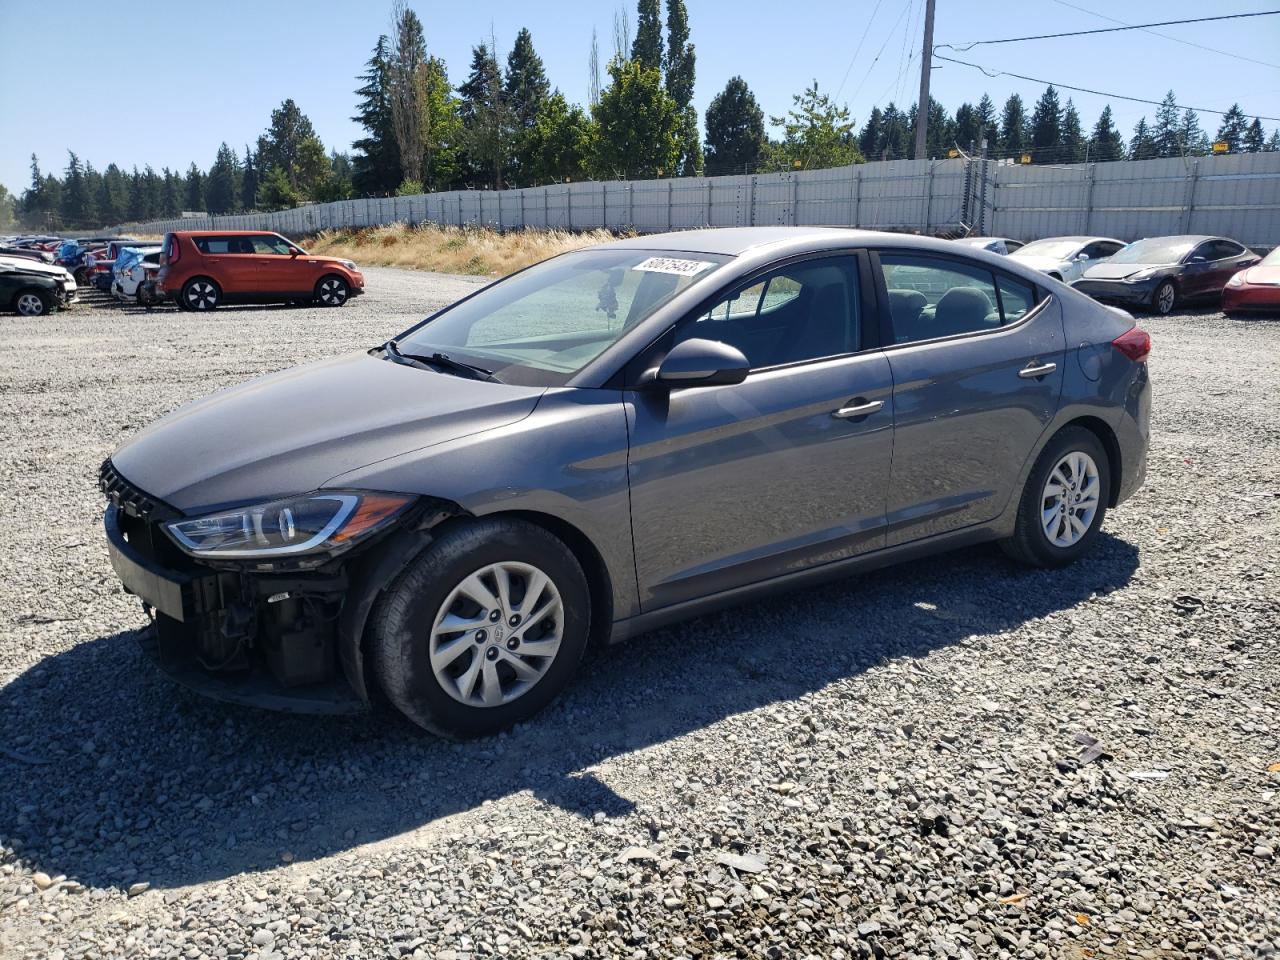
column 977, row 359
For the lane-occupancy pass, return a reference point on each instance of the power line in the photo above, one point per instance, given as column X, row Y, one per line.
column 1084, row 33
column 888, row 36
column 858, row 49
column 1098, row 93
column 1165, row 36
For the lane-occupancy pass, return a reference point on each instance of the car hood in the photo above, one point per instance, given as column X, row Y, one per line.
column 1269, row 275
column 1118, row 271
column 290, row 432
column 1042, row 263
column 23, row 265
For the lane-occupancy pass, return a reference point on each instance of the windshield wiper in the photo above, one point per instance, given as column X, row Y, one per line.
column 438, row 361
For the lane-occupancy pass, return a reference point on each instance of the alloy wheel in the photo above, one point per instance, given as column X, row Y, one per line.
column 1165, row 297
column 1070, row 499
column 497, row 634
column 202, row 295
column 333, row 292
column 30, row 305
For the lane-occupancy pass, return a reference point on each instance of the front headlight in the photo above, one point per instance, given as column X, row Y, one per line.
column 1140, row 275
column 1236, row 281
column 313, row 523
column 349, row 264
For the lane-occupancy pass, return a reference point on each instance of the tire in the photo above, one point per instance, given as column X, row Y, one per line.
column 332, row 291
column 201, row 294
column 1165, row 298
column 405, row 635
column 32, row 303
column 1031, row 542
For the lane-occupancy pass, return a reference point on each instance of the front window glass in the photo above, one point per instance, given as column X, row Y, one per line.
column 545, row 324
column 276, row 246
column 1053, row 249
column 1156, row 251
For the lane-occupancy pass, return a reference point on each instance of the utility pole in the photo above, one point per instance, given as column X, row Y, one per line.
column 926, row 64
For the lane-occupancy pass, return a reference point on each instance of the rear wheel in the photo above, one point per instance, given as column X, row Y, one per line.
column 32, row 303
column 332, row 291
column 200, row 294
column 1064, row 501
column 483, row 629
column 1165, row 298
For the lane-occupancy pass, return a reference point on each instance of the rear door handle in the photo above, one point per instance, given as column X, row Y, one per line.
column 856, row 409
column 1036, row 371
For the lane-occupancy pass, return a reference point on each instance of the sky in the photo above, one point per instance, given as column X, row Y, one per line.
column 165, row 84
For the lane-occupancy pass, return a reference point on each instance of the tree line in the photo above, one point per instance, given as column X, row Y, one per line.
column 505, row 126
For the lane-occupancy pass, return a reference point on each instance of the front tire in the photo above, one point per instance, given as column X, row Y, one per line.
column 200, row 294
column 1165, row 298
column 483, row 629
column 1063, row 503
column 332, row 291
column 32, row 303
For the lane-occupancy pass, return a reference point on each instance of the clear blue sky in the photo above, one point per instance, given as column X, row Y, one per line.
column 195, row 74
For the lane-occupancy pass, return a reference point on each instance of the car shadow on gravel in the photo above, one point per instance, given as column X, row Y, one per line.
column 113, row 775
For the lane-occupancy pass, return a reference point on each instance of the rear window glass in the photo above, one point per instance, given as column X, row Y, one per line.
column 1016, row 298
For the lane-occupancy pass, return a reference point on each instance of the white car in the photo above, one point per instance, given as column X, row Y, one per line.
column 1067, row 258
column 63, row 275
column 131, row 273
column 1000, row 245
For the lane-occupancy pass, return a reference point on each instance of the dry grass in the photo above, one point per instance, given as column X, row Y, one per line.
column 471, row 250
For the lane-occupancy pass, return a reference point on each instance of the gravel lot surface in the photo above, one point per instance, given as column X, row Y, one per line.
column 902, row 764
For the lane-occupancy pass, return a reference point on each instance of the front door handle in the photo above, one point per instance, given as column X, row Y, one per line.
column 858, row 408
column 1036, row 371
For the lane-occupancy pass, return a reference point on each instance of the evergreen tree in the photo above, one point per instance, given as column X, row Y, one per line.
column 1072, row 135
column 1233, row 128
column 283, row 146
column 193, row 190
column 1273, row 142
column 1014, row 139
column 113, row 196
column 443, row 143
column 1191, row 137
column 406, row 91
column 249, row 175
column 485, row 120
column 337, row 184
column 895, row 134
column 647, row 47
column 735, row 131
column 558, row 145
column 376, row 163
column 1105, row 143
column 35, row 206
column 8, row 208
column 152, row 188
column 1143, row 144
column 1251, row 142
column 680, row 77
column 986, row 120
column 1166, row 134
column 816, row 133
column 872, row 135
column 1046, row 127
column 941, row 135
column 77, row 204
column 527, row 90
column 137, row 211
column 638, row 124
column 222, row 187
column 968, row 133
column 170, row 194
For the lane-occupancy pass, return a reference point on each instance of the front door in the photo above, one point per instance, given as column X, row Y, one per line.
column 733, row 485
column 278, row 271
column 977, row 369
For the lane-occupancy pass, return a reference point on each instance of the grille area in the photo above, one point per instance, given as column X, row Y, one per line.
column 130, row 499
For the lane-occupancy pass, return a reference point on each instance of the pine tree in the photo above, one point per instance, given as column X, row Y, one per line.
column 77, row 205
column 1046, row 127
column 680, row 77
column 1168, row 127
column 1191, row 137
column 485, row 120
column 286, row 136
column 1273, row 142
column 1072, row 135
column 222, row 187
column 376, row 162
column 152, row 188
column 1013, row 127
column 1232, row 129
column 113, row 196
column 967, row 131
column 816, row 134
column 170, row 194
column 894, row 134
column 1252, row 141
column 647, row 47
column 1143, row 144
column 872, row 135
column 249, row 178
column 406, row 91
column 137, row 210
column 986, row 119
column 941, row 135
column 638, row 124
column 193, row 190
column 1105, row 143
column 735, row 130
column 527, row 90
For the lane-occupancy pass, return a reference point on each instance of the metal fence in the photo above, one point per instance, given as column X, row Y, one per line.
column 1236, row 196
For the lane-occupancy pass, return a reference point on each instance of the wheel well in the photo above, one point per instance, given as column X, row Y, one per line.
column 326, row 276
column 191, row 280
column 1106, row 436
column 588, row 557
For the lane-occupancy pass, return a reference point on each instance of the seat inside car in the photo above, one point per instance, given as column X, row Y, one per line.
column 826, row 324
column 961, row 310
column 905, row 307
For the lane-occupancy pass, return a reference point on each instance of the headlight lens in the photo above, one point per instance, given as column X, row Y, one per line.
column 1140, row 275
column 1236, row 281
column 314, row 523
column 349, row 264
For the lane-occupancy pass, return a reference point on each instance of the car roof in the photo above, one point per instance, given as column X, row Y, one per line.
column 224, row 233
column 737, row 241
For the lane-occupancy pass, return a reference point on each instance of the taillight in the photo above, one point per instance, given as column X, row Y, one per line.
column 172, row 250
column 1134, row 343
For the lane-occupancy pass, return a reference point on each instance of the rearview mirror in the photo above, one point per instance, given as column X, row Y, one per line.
column 702, row 363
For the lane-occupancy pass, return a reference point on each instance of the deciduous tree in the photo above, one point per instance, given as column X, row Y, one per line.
column 638, row 124
column 735, row 131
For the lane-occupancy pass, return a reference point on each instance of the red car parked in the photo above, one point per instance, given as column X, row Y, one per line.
column 1255, row 289
column 200, row 269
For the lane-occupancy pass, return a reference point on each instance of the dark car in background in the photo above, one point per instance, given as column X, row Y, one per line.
column 1159, row 273
column 615, row 439
column 33, row 289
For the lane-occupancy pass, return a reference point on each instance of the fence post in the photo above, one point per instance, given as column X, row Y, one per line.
column 631, row 203
column 928, row 198
column 1088, row 197
column 568, row 204
column 670, row 191
column 795, row 197
column 751, row 202
column 1190, row 202
column 708, row 201
column 604, row 204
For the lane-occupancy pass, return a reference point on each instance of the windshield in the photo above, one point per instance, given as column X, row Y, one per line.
column 1157, row 250
column 1272, row 259
column 1053, row 249
column 541, row 326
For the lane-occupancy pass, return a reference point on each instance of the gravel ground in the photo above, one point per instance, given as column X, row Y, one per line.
column 956, row 758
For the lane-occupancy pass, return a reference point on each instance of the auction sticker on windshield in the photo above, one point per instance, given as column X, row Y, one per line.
column 681, row 268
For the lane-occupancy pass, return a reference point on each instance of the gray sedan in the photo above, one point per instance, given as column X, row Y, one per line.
column 615, row 439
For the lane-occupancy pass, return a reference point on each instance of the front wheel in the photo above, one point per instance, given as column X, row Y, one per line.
column 1064, row 501
column 32, row 303
column 483, row 629
column 332, row 291
column 1165, row 298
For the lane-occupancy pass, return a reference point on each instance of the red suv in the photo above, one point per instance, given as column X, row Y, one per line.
column 200, row 269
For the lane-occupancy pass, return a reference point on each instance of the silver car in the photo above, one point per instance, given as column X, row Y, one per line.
column 615, row 439
column 1067, row 258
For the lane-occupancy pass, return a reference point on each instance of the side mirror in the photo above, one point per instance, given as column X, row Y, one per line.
column 294, row 251
column 1082, row 256
column 702, row 363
